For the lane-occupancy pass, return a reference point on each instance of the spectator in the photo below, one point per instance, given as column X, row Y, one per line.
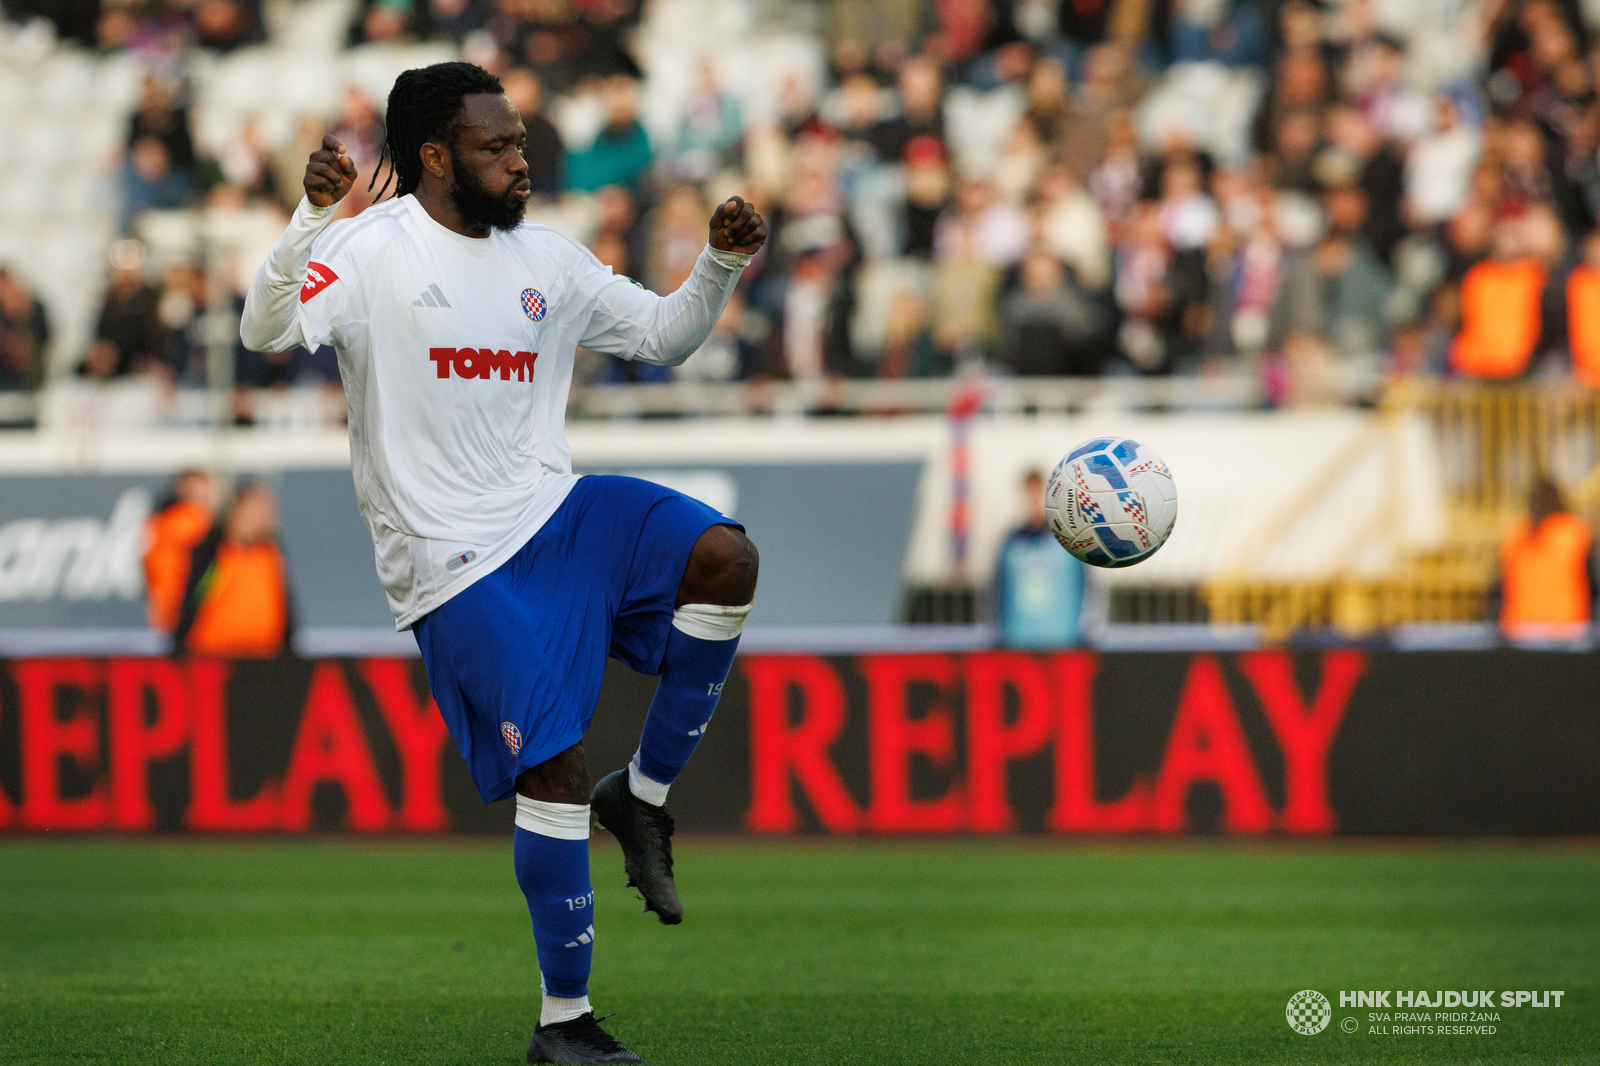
column 1050, row 326
column 712, row 128
column 159, row 115
column 1073, row 228
column 1300, row 86
column 972, row 245
column 1358, row 149
column 1583, row 314
column 1016, row 172
column 805, row 315
column 854, row 111
column 1117, row 180
column 150, row 182
column 129, row 337
column 1254, row 283
column 1547, row 570
column 24, row 335
column 1293, row 160
column 1049, row 109
column 381, row 21
column 621, row 152
column 236, row 599
column 359, row 127
column 1188, row 216
column 544, row 149
column 1355, row 282
column 244, row 166
column 597, row 43
column 620, row 240
column 1208, row 31
column 1500, row 309
column 1112, row 85
column 227, row 24
column 678, row 233
column 454, row 19
column 171, row 534
column 908, row 346
column 921, row 91
column 1439, row 170
column 982, row 227
column 1038, row 587
column 182, row 314
column 927, row 177
column 160, row 157
column 1161, row 292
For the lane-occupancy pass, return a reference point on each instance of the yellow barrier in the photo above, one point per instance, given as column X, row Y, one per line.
column 1493, row 440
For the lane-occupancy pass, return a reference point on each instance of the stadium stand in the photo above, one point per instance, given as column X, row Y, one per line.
column 1091, row 207
column 1308, row 197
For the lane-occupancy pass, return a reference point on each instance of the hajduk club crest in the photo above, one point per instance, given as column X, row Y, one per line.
column 512, row 736
column 533, row 304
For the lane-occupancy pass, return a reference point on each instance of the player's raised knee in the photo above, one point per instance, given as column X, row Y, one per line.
column 722, row 569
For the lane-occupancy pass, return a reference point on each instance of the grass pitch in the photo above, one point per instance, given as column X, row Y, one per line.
column 327, row 952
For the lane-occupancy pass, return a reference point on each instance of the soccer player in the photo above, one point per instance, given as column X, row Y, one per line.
column 456, row 324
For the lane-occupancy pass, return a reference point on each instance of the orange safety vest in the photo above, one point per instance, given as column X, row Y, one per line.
column 1544, row 572
column 1583, row 323
column 244, row 612
column 170, row 536
column 1499, row 318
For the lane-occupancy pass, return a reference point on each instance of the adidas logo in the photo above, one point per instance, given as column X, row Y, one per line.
column 585, row 937
column 701, row 731
column 431, row 297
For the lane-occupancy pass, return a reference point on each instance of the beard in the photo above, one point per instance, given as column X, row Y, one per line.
column 481, row 209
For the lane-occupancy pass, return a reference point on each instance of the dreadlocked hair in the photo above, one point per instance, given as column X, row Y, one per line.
column 423, row 105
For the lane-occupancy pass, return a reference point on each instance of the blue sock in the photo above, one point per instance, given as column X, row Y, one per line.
column 554, row 875
column 699, row 655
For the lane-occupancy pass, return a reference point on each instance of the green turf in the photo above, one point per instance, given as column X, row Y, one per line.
column 990, row 952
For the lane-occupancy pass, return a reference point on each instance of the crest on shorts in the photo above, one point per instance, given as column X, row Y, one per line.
column 533, row 304
column 512, row 736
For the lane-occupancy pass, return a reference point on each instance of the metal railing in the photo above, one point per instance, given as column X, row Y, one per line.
column 844, row 396
column 140, row 403
column 1492, row 441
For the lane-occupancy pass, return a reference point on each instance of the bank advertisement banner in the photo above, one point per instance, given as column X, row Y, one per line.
column 1307, row 744
column 71, row 545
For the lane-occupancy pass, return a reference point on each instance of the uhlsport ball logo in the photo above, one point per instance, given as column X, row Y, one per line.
column 1309, row 1012
column 512, row 736
column 533, row 304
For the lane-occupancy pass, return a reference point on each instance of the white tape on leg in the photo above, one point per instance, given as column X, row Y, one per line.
column 563, row 821
column 707, row 621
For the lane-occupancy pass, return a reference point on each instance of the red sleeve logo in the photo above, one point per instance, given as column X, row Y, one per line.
column 318, row 277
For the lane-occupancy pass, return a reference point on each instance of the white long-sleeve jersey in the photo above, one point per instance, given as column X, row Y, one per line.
column 456, row 354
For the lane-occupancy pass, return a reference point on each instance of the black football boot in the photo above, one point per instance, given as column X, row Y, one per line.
column 645, row 833
column 577, row 1041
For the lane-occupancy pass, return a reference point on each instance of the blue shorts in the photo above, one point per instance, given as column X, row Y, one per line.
column 515, row 659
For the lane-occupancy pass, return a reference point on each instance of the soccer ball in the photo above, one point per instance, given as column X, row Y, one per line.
column 1111, row 502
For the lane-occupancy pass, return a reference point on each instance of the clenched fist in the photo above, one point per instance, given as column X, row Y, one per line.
column 329, row 173
column 735, row 227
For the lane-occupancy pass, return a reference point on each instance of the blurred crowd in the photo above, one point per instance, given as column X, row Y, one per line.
column 1310, row 194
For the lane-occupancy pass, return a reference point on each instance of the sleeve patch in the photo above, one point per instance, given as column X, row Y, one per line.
column 318, row 277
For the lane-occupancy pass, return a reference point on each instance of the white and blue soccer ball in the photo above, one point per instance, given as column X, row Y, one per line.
column 1111, row 502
